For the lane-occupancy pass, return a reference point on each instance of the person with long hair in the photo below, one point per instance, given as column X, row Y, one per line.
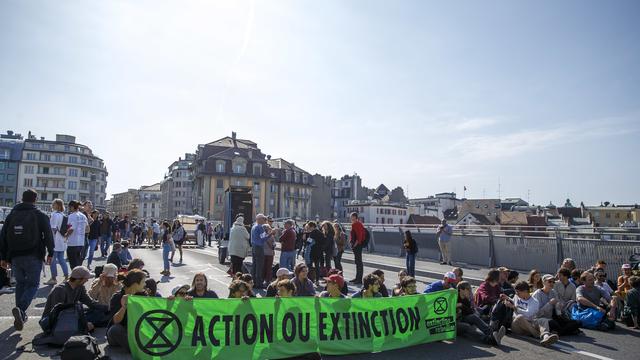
column 535, row 281
column 167, row 253
column 200, row 287
column 133, row 284
column 329, row 244
column 178, row 234
column 411, row 249
column 60, row 242
column 340, row 240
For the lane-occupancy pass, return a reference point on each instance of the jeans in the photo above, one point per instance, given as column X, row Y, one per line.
column 338, row 260
column 257, row 253
column 357, row 255
column 58, row 258
column 411, row 264
column 27, row 270
column 92, row 249
column 105, row 245
column 288, row 259
column 474, row 319
column 74, row 255
column 166, row 253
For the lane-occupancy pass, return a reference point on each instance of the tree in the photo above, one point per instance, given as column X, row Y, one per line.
column 397, row 196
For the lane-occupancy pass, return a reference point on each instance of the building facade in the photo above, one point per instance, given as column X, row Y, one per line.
column 279, row 188
column 376, row 212
column 437, row 205
column 177, row 188
column 124, row 203
column 613, row 216
column 149, row 200
column 490, row 208
column 11, row 145
column 62, row 169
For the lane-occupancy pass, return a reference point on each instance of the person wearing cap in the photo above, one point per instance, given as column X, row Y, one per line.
column 103, row 288
column 335, row 283
column 238, row 244
column 70, row 292
column 449, row 281
column 370, row 287
column 133, row 284
column 114, row 257
column 551, row 308
column 180, row 291
column 200, row 287
column 259, row 236
column 623, row 282
column 281, row 274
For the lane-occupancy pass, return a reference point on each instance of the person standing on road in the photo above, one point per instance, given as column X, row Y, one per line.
column 94, row 236
column 123, row 226
column 358, row 234
column 106, row 226
column 269, row 253
column 340, row 240
column 178, row 235
column 329, row 245
column 155, row 228
column 25, row 238
column 78, row 225
column 411, row 249
column 166, row 247
column 444, row 237
column 258, row 237
column 238, row 245
column 60, row 242
column 288, row 246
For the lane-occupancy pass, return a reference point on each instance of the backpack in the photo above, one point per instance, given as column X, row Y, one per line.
column 367, row 237
column 65, row 321
column 23, row 231
column 64, row 226
column 82, row 347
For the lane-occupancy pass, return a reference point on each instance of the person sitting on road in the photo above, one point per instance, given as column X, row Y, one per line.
column 383, row 289
column 281, row 274
column 601, row 281
column 133, row 284
column 535, row 281
column 459, row 273
column 370, row 287
column 335, row 283
column 623, row 282
column 286, row 288
column 180, row 292
column 70, row 292
column 564, row 288
column 631, row 311
column 199, row 287
column 238, row 289
column 103, row 288
column 136, row 263
column 507, row 287
column 345, row 287
column 525, row 309
column 114, row 257
column 488, row 293
column 551, row 308
column 504, row 282
column 449, row 281
column 248, row 279
column 304, row 286
column 408, row 286
column 575, row 277
column 397, row 290
column 125, row 255
column 151, row 288
column 568, row 263
column 591, row 296
column 467, row 315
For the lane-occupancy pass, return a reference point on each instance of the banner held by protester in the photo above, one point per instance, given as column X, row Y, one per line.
column 279, row 328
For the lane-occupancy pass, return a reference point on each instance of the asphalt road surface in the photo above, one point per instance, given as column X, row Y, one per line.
column 622, row 343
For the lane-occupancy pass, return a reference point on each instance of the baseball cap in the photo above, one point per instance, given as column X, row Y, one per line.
column 178, row 288
column 626, row 266
column 283, row 271
column 451, row 276
column 110, row 270
column 503, row 269
column 548, row 277
column 335, row 278
column 80, row 272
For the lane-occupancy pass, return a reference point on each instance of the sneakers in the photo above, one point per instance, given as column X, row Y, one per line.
column 51, row 281
column 548, row 339
column 18, row 319
column 7, row 290
column 498, row 335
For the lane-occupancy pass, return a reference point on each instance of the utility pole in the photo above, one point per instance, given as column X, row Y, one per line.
column 499, row 189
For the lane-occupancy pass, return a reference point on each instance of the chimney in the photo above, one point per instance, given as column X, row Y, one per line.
column 233, row 137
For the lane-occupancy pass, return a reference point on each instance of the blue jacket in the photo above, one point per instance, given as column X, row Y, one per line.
column 258, row 235
column 433, row 287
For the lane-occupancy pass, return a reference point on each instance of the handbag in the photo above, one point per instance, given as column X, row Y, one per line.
column 172, row 244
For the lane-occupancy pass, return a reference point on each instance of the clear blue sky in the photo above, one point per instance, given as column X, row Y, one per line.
column 541, row 95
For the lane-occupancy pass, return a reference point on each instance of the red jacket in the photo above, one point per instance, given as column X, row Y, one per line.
column 357, row 233
column 288, row 240
column 487, row 294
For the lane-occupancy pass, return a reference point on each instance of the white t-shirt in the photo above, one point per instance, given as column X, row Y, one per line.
column 78, row 222
column 528, row 308
column 56, row 221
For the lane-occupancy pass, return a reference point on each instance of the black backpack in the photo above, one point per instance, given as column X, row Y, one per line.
column 65, row 321
column 82, row 347
column 64, row 226
column 23, row 231
column 367, row 237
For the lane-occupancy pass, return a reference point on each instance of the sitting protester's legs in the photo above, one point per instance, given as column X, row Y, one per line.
column 117, row 336
column 522, row 326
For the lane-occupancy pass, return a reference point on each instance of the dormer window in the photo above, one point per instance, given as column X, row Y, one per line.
column 257, row 169
column 239, row 166
column 220, row 166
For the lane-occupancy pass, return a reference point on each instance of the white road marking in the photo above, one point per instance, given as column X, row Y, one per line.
column 581, row 352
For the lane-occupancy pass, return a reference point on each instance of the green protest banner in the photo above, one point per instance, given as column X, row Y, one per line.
column 273, row 328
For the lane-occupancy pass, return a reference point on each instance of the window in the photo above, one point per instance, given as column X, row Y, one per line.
column 11, row 177
column 220, row 166
column 73, row 172
column 153, row 205
column 73, row 159
column 287, row 176
column 5, row 154
column 29, row 169
column 305, row 179
column 219, row 183
column 31, row 156
column 83, row 161
column 55, row 196
column 256, row 187
column 28, row 182
column 257, row 169
column 256, row 202
column 52, row 146
column 85, row 173
column 272, row 202
column 73, row 185
column 296, row 177
column 43, row 196
column 219, row 199
column 71, row 197
column 67, row 148
column 45, row 170
column 45, row 157
column 239, row 166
